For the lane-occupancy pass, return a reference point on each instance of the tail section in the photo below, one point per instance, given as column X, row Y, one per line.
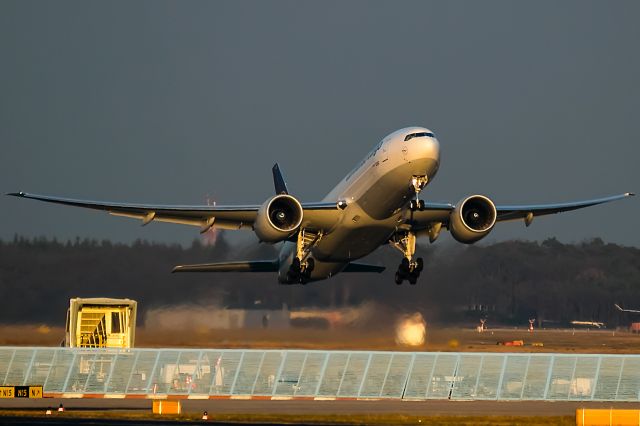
column 278, row 181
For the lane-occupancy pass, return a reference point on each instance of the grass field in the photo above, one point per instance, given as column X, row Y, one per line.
column 438, row 339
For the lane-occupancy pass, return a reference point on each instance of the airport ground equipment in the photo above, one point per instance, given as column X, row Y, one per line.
column 101, row 323
column 607, row 416
column 321, row 375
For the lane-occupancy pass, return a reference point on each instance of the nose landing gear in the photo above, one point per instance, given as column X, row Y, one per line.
column 409, row 269
column 416, row 205
column 418, row 183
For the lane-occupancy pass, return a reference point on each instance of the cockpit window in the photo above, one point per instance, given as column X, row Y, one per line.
column 419, row 135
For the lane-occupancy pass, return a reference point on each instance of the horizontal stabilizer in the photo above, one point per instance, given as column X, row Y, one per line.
column 245, row 266
column 363, row 267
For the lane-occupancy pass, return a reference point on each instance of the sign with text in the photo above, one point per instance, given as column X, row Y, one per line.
column 20, row 391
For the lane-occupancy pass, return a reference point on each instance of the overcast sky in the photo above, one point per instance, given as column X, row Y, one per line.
column 168, row 102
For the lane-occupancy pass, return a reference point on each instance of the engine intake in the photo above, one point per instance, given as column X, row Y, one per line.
column 278, row 218
column 472, row 219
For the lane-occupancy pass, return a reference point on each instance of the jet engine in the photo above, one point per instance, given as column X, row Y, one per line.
column 472, row 219
column 278, row 218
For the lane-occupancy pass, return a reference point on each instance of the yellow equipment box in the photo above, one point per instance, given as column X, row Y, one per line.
column 166, row 406
column 610, row 416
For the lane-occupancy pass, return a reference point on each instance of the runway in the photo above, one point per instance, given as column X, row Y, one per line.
column 413, row 408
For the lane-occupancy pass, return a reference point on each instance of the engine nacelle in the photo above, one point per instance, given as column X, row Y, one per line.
column 278, row 218
column 472, row 219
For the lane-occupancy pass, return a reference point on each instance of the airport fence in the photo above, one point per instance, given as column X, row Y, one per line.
column 302, row 374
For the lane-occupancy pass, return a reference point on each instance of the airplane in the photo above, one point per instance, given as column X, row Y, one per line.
column 633, row 311
column 377, row 203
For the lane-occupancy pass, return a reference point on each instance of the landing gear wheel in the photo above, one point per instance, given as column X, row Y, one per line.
column 413, row 205
column 420, row 205
column 292, row 277
column 294, row 274
column 295, row 265
column 310, row 264
column 404, row 266
column 409, row 269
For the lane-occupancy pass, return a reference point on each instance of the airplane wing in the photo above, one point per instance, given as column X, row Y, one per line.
column 316, row 215
column 512, row 212
column 439, row 212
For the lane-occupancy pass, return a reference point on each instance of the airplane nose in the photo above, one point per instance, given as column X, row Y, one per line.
column 434, row 149
column 429, row 148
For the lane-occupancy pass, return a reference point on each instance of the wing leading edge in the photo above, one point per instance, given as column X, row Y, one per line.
column 439, row 212
column 512, row 212
column 317, row 215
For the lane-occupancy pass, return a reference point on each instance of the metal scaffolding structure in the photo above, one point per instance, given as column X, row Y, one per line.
column 283, row 374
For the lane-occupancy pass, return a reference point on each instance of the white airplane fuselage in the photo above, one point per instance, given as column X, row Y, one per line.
column 376, row 193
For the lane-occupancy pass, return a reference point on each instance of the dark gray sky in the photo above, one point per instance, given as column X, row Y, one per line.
column 169, row 101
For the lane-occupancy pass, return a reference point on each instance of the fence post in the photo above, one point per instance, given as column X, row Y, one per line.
column 235, row 376
column 285, row 355
column 364, row 374
column 475, row 388
column 524, row 378
column 153, row 371
column 408, row 376
column 253, row 388
column 620, row 377
column 546, row 388
column 26, row 376
column 113, row 366
column 344, row 373
column 504, row 368
column 324, row 369
column 66, row 380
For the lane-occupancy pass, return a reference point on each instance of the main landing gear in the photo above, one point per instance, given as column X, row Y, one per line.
column 300, row 273
column 302, row 265
column 409, row 269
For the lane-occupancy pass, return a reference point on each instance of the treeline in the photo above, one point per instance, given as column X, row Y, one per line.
column 508, row 282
